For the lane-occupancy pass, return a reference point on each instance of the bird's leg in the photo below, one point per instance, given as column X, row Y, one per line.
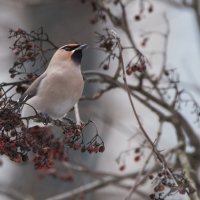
column 45, row 118
column 77, row 115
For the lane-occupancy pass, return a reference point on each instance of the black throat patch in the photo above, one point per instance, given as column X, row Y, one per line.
column 77, row 56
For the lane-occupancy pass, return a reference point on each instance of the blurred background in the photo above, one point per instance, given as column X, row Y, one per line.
column 70, row 20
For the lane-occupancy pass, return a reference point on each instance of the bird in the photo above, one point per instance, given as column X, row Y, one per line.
column 55, row 92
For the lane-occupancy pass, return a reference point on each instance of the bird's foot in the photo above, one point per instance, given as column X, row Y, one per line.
column 44, row 118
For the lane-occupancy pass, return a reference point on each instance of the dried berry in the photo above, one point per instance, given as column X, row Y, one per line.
column 152, row 196
column 122, row 168
column 106, row 67
column 137, row 17
column 94, row 6
column 12, row 75
column 160, row 174
column 150, row 9
column 151, row 176
column 166, row 73
column 137, row 150
column 116, row 2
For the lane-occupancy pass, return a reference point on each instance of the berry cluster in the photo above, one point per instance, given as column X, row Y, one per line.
column 39, row 144
column 28, row 49
column 141, row 14
column 74, row 138
column 165, row 185
column 136, row 68
column 106, row 41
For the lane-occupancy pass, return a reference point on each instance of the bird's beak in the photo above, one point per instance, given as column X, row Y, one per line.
column 83, row 46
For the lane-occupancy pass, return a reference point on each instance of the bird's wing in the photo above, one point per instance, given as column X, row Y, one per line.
column 32, row 90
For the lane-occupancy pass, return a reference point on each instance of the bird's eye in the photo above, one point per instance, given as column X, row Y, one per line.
column 70, row 48
column 66, row 48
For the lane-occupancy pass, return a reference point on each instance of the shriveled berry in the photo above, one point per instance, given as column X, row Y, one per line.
column 137, row 17
column 166, row 73
column 122, row 168
column 106, row 67
column 150, row 9
column 151, row 176
column 11, row 70
column 137, row 150
column 12, row 75
column 160, row 174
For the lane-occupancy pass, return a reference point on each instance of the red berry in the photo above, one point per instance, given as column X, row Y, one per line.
column 137, row 150
column 134, row 68
column 137, row 158
column 83, row 149
column 93, row 20
column 129, row 71
column 151, row 177
column 159, row 188
column 182, row 192
column 137, row 17
column 11, row 70
column 101, row 149
column 2, row 144
column 160, row 174
column 106, row 67
column 142, row 69
column 122, row 168
column 91, row 148
column 12, row 75
column 166, row 73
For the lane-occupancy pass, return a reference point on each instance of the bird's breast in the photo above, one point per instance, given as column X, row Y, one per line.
column 59, row 91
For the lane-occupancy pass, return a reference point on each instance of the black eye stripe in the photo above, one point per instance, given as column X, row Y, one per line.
column 70, row 48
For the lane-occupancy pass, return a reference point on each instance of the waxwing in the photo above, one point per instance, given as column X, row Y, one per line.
column 59, row 88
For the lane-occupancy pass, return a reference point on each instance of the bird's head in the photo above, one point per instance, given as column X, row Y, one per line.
column 73, row 51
